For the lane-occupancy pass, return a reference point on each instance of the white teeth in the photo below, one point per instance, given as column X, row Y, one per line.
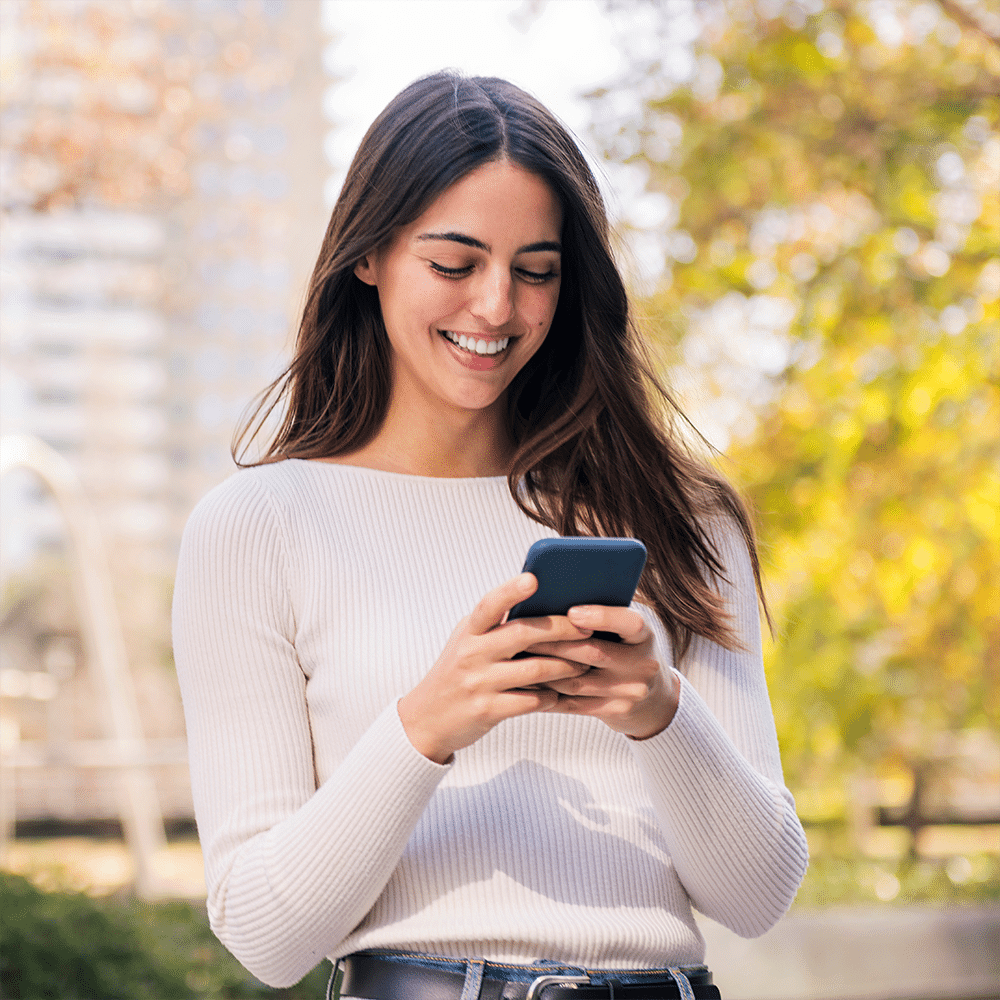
column 477, row 346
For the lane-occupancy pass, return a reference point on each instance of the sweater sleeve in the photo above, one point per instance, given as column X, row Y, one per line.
column 714, row 774
column 290, row 868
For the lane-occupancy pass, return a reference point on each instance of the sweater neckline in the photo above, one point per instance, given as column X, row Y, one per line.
column 366, row 471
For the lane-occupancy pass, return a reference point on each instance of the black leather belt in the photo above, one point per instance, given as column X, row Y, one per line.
column 374, row 977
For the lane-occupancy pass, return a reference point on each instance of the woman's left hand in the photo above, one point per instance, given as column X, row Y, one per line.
column 626, row 687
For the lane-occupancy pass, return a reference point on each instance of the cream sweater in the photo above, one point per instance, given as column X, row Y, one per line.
column 309, row 598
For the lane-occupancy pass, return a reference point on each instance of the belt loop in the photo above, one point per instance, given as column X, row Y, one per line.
column 332, row 993
column 683, row 984
column 474, row 969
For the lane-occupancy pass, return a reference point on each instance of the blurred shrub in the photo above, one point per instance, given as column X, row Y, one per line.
column 68, row 946
column 841, row 878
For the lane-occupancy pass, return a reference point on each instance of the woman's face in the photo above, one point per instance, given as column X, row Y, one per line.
column 468, row 291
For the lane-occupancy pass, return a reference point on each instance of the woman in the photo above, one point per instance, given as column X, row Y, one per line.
column 373, row 769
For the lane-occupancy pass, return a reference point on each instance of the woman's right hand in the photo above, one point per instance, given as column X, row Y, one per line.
column 475, row 683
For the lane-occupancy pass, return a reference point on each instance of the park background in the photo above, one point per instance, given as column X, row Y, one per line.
column 807, row 202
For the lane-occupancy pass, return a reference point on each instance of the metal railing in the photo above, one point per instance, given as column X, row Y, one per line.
column 125, row 750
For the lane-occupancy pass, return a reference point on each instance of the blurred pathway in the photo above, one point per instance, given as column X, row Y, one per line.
column 100, row 866
column 890, row 953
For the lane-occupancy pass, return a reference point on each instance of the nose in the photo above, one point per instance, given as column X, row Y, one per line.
column 494, row 298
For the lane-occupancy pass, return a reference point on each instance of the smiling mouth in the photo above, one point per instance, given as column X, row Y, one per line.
column 479, row 346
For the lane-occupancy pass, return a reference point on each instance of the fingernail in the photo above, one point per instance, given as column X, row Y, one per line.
column 524, row 581
column 581, row 616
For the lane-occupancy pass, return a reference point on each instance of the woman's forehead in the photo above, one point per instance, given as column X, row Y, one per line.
column 495, row 199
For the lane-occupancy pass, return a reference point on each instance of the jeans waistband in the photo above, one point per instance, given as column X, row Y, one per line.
column 390, row 975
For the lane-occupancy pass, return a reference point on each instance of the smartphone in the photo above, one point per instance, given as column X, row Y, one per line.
column 573, row 571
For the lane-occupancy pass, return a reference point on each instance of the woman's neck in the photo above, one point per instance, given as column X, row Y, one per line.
column 463, row 449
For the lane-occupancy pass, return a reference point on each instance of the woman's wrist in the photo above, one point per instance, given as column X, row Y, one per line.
column 664, row 714
column 416, row 733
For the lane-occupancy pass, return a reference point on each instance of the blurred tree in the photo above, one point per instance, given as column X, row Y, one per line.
column 109, row 102
column 94, row 110
column 823, row 189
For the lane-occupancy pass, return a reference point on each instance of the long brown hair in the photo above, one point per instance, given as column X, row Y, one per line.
column 596, row 451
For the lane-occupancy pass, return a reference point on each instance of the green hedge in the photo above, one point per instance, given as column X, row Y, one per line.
column 68, row 946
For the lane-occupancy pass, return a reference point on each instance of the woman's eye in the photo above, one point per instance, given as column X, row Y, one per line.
column 525, row 274
column 451, row 272
column 537, row 277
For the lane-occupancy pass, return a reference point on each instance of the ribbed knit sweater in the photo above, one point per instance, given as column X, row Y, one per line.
column 310, row 597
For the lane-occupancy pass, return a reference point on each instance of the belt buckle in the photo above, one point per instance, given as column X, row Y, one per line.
column 539, row 984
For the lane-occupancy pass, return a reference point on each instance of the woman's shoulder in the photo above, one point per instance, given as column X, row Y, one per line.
column 723, row 530
column 267, row 505
column 244, row 484
column 735, row 552
column 290, row 488
column 253, row 492
column 284, row 479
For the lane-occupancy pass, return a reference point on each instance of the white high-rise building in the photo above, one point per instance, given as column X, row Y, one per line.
column 133, row 332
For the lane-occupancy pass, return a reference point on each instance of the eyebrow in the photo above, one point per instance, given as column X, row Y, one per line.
column 471, row 241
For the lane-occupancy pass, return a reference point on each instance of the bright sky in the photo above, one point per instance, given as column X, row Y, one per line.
column 382, row 45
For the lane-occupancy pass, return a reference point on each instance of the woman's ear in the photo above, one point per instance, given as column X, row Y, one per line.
column 365, row 269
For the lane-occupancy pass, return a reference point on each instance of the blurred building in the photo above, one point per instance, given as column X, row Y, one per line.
column 162, row 207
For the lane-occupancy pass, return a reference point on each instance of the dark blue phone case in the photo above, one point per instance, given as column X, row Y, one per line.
column 573, row 571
